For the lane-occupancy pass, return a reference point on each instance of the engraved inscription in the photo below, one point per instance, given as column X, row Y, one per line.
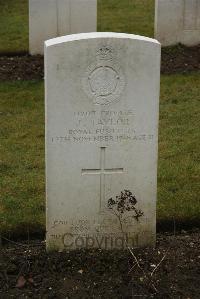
column 99, row 225
column 106, row 126
column 75, row 232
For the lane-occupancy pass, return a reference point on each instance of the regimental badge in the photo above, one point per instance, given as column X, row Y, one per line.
column 104, row 79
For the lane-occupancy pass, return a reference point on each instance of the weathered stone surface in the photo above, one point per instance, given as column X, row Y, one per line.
column 52, row 18
column 177, row 21
column 102, row 98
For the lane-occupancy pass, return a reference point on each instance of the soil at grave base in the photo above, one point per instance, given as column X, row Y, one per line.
column 25, row 67
column 171, row 270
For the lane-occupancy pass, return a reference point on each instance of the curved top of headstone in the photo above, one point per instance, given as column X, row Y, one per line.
column 93, row 35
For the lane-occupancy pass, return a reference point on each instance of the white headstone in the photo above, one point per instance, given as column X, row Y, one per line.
column 52, row 18
column 102, row 98
column 177, row 21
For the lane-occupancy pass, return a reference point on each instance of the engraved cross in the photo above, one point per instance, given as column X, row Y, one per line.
column 102, row 171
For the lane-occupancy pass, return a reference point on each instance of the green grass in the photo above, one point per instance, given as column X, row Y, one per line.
column 130, row 16
column 22, row 155
column 179, row 148
column 22, row 199
column 13, row 26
